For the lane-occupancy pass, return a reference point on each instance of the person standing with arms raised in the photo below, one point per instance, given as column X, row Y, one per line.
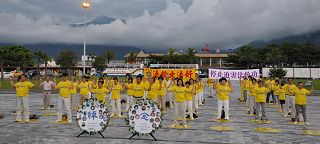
column 22, row 92
column 48, row 86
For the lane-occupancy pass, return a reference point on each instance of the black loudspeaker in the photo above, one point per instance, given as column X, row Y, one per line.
column 34, row 116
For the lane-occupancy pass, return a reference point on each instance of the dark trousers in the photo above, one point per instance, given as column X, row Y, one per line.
column 303, row 110
column 270, row 94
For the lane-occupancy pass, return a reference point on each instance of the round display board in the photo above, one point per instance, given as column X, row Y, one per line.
column 144, row 116
column 93, row 116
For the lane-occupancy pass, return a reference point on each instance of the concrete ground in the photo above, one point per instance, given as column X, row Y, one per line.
column 46, row 131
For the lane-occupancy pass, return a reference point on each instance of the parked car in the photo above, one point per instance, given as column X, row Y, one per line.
column 6, row 75
column 31, row 73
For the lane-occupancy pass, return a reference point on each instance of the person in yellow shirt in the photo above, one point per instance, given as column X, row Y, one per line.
column 252, row 97
column 282, row 96
column 74, row 93
column 210, row 82
column 201, row 87
column 84, row 87
column 22, row 93
column 64, row 97
column 275, row 88
column 261, row 93
column 138, row 88
column 301, row 102
column 116, row 89
column 129, row 92
column 290, row 98
column 169, row 96
column 162, row 93
column 195, row 101
column 223, row 93
column 189, row 93
column 180, row 101
column 100, row 92
column 153, row 90
column 269, row 83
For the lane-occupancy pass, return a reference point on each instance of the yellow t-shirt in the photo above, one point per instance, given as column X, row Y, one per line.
column 282, row 93
column 115, row 93
column 138, row 89
column 84, row 88
column 64, row 87
column 223, row 92
column 179, row 93
column 269, row 84
column 290, row 89
column 276, row 89
column 210, row 82
column 162, row 91
column 189, row 93
column 301, row 96
column 261, row 93
column 252, row 88
column 153, row 93
column 22, row 88
column 100, row 93
column 74, row 89
column 247, row 84
column 129, row 91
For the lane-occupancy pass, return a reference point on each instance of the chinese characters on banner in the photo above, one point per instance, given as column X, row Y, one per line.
column 233, row 74
column 173, row 73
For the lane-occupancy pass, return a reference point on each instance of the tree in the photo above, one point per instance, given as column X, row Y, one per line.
column 41, row 57
column 277, row 72
column 67, row 59
column 109, row 55
column 274, row 54
column 15, row 56
column 190, row 54
column 131, row 57
column 247, row 54
column 170, row 57
column 99, row 62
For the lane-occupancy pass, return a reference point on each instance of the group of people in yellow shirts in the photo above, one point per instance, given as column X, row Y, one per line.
column 186, row 94
column 291, row 99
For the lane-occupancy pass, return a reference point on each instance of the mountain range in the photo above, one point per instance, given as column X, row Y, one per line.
column 313, row 38
column 100, row 20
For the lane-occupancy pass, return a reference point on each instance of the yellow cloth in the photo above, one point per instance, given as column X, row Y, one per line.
column 115, row 93
column 247, row 84
column 74, row 89
column 252, row 88
column 276, row 89
column 282, row 93
column 100, row 93
column 290, row 89
column 22, row 88
column 269, row 84
column 162, row 91
column 153, row 93
column 223, row 92
column 64, row 87
column 179, row 93
column 129, row 91
column 84, row 88
column 301, row 96
column 138, row 89
column 189, row 93
column 261, row 93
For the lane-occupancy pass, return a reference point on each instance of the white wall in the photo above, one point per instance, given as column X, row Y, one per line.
column 297, row 72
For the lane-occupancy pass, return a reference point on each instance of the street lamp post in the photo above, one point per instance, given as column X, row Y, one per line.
column 85, row 5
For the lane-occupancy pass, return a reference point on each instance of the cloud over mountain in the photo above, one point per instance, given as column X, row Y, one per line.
column 221, row 23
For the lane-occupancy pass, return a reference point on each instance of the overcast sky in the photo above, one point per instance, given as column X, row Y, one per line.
column 158, row 24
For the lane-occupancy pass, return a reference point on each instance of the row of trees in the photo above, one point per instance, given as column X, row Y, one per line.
column 19, row 56
column 287, row 54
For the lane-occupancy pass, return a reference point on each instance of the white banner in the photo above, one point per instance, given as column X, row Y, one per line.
column 233, row 74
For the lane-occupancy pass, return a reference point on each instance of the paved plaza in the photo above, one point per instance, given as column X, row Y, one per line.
column 46, row 131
